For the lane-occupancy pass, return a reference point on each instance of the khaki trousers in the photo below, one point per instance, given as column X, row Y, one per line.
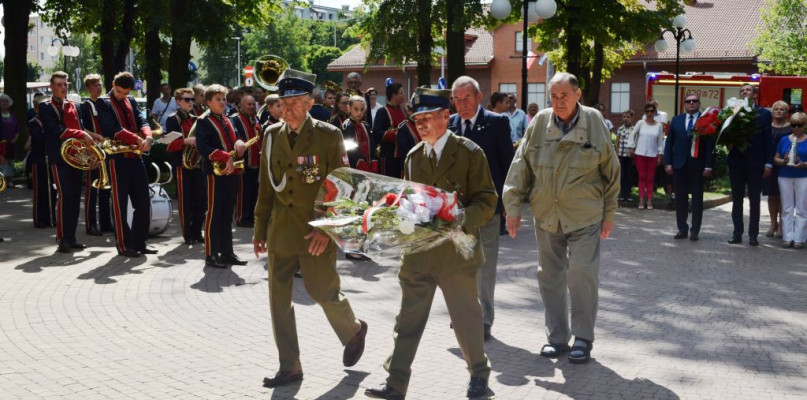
column 486, row 276
column 459, row 291
column 569, row 260
column 322, row 284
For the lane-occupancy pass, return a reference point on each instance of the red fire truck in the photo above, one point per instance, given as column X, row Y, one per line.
column 716, row 89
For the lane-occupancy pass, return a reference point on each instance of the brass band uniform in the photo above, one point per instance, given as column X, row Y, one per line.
column 121, row 120
column 216, row 140
column 385, row 127
column 97, row 210
column 191, row 185
column 247, row 127
column 44, row 196
column 60, row 121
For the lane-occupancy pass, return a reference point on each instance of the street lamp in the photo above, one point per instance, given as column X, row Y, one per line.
column 533, row 10
column 67, row 51
column 238, row 62
column 683, row 41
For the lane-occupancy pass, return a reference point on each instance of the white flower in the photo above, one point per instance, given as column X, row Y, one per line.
column 406, row 227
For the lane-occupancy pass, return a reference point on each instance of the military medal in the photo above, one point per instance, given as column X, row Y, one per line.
column 309, row 166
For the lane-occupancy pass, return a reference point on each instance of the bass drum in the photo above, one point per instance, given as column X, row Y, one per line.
column 161, row 212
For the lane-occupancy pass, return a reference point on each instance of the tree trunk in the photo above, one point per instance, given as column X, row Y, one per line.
column 126, row 34
column 574, row 42
column 106, row 37
column 153, row 58
column 180, row 53
column 455, row 40
column 16, row 66
column 425, row 42
column 593, row 89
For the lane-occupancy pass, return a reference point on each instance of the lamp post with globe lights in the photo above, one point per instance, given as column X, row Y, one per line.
column 67, row 51
column 683, row 42
column 532, row 12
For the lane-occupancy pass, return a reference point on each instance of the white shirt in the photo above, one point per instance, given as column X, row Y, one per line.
column 661, row 116
column 438, row 147
column 647, row 140
column 375, row 109
column 161, row 110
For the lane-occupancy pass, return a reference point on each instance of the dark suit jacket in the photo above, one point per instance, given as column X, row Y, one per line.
column 678, row 146
column 492, row 133
column 319, row 112
column 759, row 151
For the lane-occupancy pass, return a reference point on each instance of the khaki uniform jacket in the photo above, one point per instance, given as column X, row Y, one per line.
column 571, row 179
column 462, row 169
column 281, row 218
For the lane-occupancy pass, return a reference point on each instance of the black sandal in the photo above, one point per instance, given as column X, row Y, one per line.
column 581, row 351
column 554, row 350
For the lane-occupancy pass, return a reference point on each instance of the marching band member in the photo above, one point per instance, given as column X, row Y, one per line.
column 60, row 121
column 340, row 111
column 198, row 100
column 246, row 127
column 121, row 120
column 190, row 181
column 44, row 207
column 215, row 139
column 357, row 131
column 270, row 112
column 94, row 199
column 385, row 127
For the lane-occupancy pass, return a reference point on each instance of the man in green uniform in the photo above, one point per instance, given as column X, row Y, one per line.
column 298, row 155
column 456, row 164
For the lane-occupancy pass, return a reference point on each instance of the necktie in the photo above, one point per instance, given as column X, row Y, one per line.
column 433, row 159
column 467, row 127
column 690, row 124
column 292, row 137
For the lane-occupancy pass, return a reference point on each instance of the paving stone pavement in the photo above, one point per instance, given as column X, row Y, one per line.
column 677, row 320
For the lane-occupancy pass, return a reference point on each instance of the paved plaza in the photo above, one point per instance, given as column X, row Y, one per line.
column 677, row 320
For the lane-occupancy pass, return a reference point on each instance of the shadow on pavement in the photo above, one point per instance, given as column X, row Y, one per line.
column 287, row 392
column 577, row 383
column 347, row 387
column 514, row 364
column 215, row 280
column 117, row 266
column 58, row 260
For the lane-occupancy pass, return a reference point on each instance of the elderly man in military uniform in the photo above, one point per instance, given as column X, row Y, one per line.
column 298, row 155
column 569, row 170
column 452, row 163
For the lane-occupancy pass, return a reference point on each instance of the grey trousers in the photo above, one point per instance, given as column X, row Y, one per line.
column 569, row 260
column 486, row 275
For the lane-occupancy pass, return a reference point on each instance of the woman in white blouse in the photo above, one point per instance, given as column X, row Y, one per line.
column 647, row 140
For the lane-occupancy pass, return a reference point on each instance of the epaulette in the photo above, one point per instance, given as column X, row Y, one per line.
column 403, row 124
column 416, row 148
column 469, row 144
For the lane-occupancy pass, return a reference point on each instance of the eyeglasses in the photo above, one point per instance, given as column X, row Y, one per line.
column 797, row 125
column 649, row 111
column 188, row 99
column 692, row 101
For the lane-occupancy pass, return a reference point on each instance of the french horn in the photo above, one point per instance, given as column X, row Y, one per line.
column 191, row 159
column 268, row 70
column 80, row 155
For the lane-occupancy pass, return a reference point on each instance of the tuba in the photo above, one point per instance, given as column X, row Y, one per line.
column 331, row 85
column 218, row 167
column 190, row 154
column 80, row 155
column 268, row 70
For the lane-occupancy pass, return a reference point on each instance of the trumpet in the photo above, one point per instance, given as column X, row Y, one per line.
column 115, row 146
column 80, row 155
column 219, row 167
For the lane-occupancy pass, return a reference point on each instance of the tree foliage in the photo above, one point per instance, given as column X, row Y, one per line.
column 781, row 41
column 320, row 57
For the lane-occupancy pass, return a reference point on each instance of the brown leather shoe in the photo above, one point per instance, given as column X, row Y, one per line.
column 283, row 378
column 384, row 392
column 355, row 348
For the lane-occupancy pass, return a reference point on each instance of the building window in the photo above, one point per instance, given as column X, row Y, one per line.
column 536, row 92
column 620, row 97
column 519, row 41
column 508, row 88
column 41, row 56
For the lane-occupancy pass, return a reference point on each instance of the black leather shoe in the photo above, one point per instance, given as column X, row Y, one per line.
column 214, row 262
column 283, row 378
column 680, row 235
column 64, row 248
column 199, row 239
column 487, row 332
column 189, row 242
column 753, row 241
column 232, row 259
column 93, row 232
column 477, row 387
column 42, row 225
column 147, row 250
column 78, row 246
column 129, row 253
column 384, row 392
column 355, row 348
column 693, row 237
column 736, row 239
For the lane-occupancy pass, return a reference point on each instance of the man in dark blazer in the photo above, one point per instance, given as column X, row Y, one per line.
column 491, row 131
column 747, row 169
column 688, row 160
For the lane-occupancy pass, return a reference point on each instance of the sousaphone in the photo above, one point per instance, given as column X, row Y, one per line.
column 268, row 70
